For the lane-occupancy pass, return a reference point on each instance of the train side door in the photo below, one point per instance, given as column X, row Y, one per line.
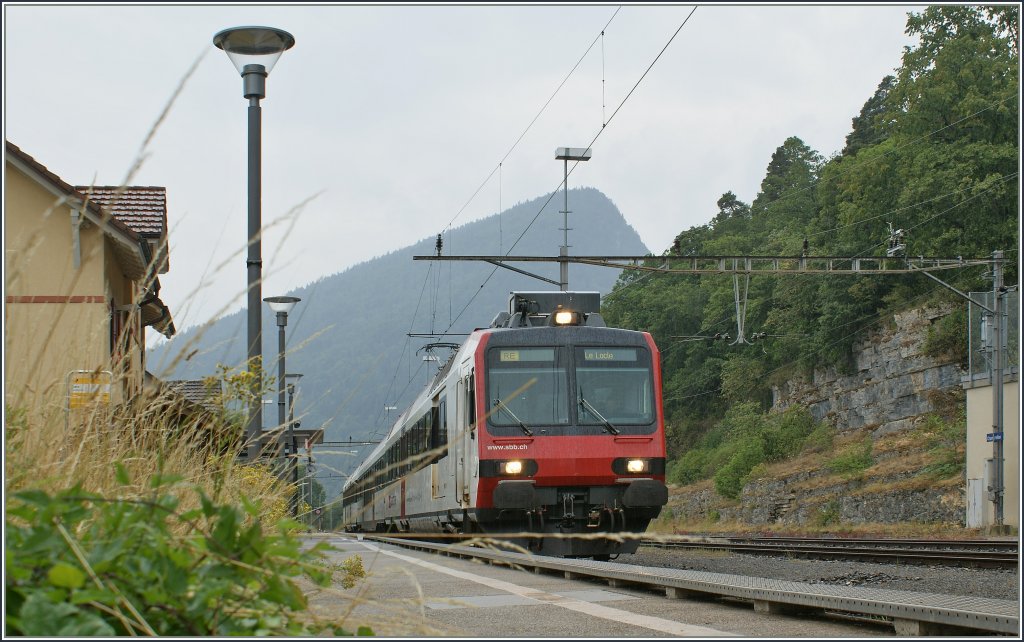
column 463, row 438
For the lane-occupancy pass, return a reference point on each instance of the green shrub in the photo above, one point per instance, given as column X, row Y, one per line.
column 743, row 420
column 827, row 514
column 947, row 338
column 689, row 468
column 786, row 432
column 81, row 564
column 725, row 452
column 729, row 480
column 854, row 459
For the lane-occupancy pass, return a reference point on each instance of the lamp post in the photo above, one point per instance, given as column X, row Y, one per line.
column 293, row 450
column 282, row 305
column 254, row 51
column 567, row 154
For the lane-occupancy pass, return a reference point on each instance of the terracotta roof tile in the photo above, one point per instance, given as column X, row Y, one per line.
column 143, row 209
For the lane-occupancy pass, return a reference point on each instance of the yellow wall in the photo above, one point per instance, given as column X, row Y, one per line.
column 43, row 342
column 37, row 244
column 979, row 424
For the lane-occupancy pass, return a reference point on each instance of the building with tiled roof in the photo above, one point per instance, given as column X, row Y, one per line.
column 81, row 289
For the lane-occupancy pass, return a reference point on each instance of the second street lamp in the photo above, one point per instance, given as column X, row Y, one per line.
column 293, row 448
column 282, row 305
column 254, row 51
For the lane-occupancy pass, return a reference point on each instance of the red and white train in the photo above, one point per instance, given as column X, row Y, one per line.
column 547, row 425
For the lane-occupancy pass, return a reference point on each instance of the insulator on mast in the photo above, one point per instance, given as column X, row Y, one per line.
column 439, row 244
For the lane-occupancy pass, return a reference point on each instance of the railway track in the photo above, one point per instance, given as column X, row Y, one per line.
column 975, row 553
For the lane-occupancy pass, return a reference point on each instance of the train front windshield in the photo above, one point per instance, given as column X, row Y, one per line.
column 527, row 386
column 560, row 386
column 614, row 384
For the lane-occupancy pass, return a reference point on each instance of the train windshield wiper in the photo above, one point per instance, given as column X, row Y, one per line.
column 607, row 424
column 499, row 405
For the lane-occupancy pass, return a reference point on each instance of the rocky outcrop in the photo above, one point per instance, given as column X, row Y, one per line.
column 891, row 386
column 894, row 386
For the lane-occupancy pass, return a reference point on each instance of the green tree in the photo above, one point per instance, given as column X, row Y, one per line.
column 874, row 123
column 956, row 104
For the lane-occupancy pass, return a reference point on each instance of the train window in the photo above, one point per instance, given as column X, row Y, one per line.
column 435, row 428
column 439, row 437
column 616, row 384
column 471, row 386
column 527, row 387
column 423, row 438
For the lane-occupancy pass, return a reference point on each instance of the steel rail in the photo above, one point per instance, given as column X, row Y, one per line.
column 883, row 551
column 999, row 544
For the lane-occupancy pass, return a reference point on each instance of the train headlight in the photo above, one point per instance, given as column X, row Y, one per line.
column 514, row 467
column 636, row 466
column 566, row 317
column 633, row 466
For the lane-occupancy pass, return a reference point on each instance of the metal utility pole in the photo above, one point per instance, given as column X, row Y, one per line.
column 998, row 291
column 566, row 154
column 996, row 489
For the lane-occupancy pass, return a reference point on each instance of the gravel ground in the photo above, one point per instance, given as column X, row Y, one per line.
column 977, row 582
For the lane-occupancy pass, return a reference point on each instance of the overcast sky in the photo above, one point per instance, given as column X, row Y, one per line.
column 389, row 118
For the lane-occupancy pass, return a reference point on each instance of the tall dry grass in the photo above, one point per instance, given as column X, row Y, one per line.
column 155, row 435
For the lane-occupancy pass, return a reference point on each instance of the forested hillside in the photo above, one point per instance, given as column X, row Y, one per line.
column 933, row 152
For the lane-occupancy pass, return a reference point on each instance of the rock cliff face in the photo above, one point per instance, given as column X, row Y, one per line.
column 790, row 501
column 894, row 386
column 890, row 387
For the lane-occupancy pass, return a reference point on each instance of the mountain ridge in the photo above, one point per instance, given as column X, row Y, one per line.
column 348, row 334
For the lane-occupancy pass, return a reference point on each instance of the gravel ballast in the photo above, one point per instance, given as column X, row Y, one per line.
column 1000, row 584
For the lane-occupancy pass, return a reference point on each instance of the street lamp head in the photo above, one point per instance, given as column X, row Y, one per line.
column 282, row 303
column 253, row 46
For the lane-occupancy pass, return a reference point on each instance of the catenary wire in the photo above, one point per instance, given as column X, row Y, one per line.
column 538, row 115
column 570, row 171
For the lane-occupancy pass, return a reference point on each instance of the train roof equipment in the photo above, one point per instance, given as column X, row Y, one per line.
column 547, row 308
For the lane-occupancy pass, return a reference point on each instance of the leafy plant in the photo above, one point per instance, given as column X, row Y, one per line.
column 353, row 569
column 827, row 514
column 82, row 564
column 730, row 479
column 947, row 338
column 692, row 466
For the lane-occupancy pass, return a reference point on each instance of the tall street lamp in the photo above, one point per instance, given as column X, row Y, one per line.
column 293, row 450
column 254, row 51
column 578, row 154
column 282, row 305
